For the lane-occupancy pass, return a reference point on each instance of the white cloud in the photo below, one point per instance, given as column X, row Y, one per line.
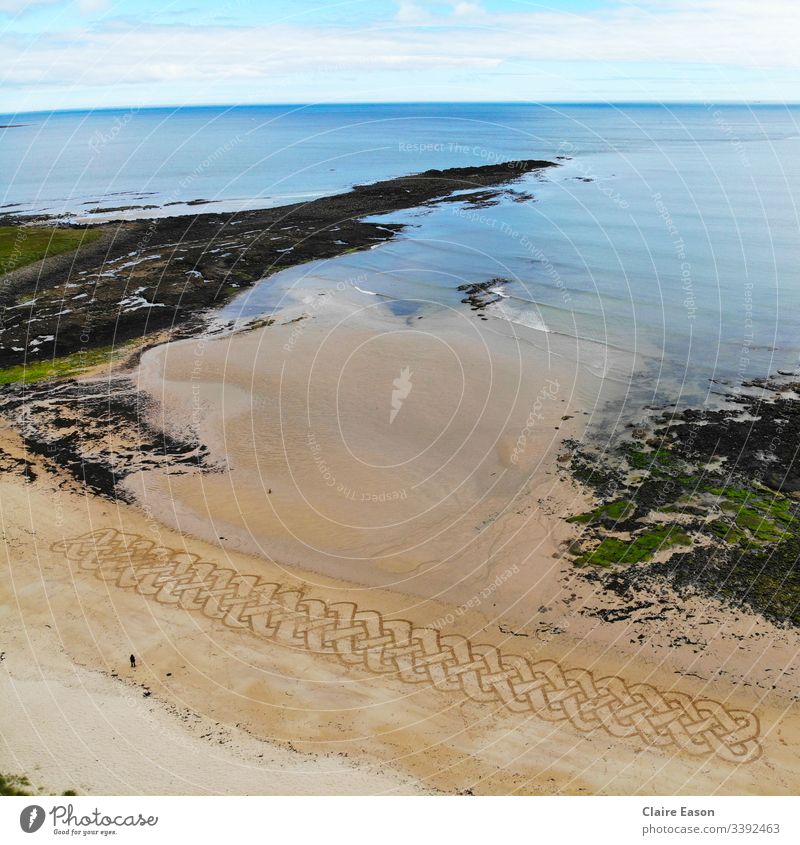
column 85, row 7
column 413, row 14
column 467, row 10
column 709, row 32
column 14, row 7
column 88, row 7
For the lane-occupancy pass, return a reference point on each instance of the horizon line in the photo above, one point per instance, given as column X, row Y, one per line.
column 341, row 104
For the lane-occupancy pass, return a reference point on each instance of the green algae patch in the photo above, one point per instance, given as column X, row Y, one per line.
column 728, row 532
column 617, row 511
column 758, row 525
column 731, row 493
column 638, row 549
column 638, row 459
column 744, row 515
column 766, row 518
column 65, row 366
column 655, row 460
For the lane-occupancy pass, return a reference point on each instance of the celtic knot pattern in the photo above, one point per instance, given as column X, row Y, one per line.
column 416, row 655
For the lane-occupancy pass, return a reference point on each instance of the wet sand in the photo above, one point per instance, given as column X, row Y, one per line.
column 404, row 453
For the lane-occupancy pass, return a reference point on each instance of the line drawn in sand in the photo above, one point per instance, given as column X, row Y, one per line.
column 396, row 647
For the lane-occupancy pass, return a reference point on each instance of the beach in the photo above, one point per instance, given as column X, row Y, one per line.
column 330, row 465
column 364, row 587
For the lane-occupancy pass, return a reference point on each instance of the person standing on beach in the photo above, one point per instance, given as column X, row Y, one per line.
column 133, row 661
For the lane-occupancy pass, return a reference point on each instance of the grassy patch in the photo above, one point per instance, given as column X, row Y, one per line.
column 641, row 548
column 21, row 245
column 14, row 785
column 20, row 785
column 63, row 367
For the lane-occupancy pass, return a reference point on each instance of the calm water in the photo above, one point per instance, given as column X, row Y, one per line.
column 671, row 231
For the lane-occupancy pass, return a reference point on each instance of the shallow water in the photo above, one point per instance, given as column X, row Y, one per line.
column 670, row 231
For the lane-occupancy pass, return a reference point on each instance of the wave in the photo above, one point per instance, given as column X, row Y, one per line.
column 537, row 323
column 530, row 320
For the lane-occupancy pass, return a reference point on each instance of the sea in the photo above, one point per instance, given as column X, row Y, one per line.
column 670, row 231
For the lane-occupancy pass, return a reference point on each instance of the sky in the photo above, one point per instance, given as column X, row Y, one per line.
column 60, row 54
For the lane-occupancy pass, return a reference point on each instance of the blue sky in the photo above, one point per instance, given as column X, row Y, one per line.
column 102, row 53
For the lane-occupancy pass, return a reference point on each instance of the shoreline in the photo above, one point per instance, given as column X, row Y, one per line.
column 157, row 274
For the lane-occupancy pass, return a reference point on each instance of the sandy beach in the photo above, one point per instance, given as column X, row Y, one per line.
column 321, row 470
column 365, row 589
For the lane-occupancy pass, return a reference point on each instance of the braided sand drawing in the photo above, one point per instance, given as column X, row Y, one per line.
column 417, row 655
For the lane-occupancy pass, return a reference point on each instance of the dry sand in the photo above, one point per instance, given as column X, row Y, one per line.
column 445, row 515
